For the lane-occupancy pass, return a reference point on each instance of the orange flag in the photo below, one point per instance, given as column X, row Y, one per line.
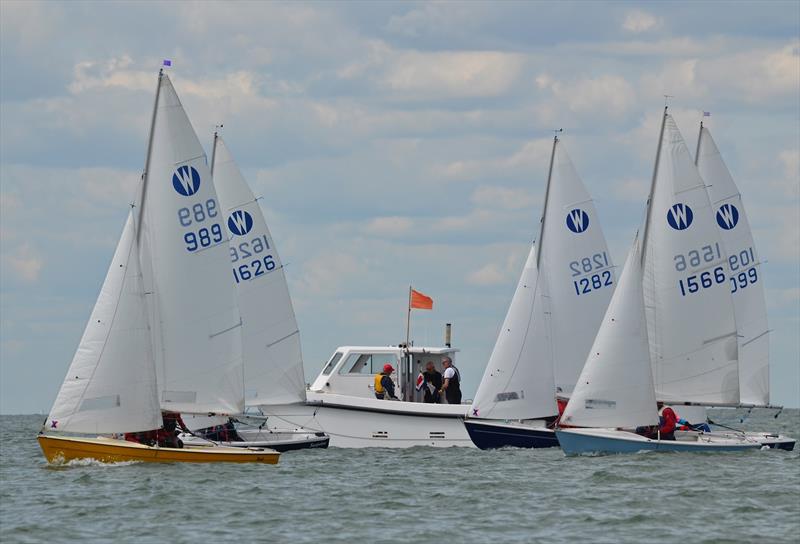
column 420, row 301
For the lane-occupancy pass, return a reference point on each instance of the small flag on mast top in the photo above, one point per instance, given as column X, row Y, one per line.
column 167, row 62
column 420, row 301
column 706, row 114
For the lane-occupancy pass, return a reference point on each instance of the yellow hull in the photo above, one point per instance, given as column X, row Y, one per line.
column 59, row 449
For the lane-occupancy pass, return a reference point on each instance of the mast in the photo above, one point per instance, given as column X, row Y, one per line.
column 653, row 185
column 546, row 198
column 147, row 158
column 699, row 137
column 214, row 148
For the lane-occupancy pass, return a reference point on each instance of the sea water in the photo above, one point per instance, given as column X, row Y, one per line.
column 417, row 495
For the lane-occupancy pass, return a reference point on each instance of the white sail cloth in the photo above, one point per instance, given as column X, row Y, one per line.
column 744, row 271
column 111, row 385
column 193, row 311
column 518, row 380
column 690, row 317
column 579, row 273
column 273, row 362
column 615, row 388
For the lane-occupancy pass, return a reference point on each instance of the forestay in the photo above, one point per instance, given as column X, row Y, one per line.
column 743, row 270
column 615, row 388
column 690, row 318
column 518, row 380
column 273, row 362
column 111, row 384
column 579, row 275
column 197, row 329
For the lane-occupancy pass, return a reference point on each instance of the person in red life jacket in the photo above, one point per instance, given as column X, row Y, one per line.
column 167, row 436
column 667, row 421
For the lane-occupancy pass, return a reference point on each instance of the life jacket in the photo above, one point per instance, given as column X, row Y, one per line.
column 379, row 390
column 667, row 427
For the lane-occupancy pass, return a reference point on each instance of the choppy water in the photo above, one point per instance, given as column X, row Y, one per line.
column 417, row 495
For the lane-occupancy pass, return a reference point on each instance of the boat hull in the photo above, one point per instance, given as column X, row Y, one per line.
column 280, row 441
column 489, row 434
column 593, row 441
column 365, row 423
column 64, row 449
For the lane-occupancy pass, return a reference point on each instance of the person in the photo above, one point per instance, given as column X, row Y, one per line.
column 167, row 436
column 667, row 421
column 384, row 386
column 433, row 383
column 452, row 382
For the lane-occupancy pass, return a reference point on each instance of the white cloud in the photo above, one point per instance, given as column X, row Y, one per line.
column 639, row 21
column 26, row 263
column 790, row 184
column 424, row 75
column 390, row 226
column 504, row 198
column 606, row 95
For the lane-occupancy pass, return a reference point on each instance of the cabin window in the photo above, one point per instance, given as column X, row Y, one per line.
column 367, row 363
column 332, row 363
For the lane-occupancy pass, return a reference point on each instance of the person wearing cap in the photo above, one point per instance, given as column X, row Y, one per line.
column 452, row 382
column 384, row 386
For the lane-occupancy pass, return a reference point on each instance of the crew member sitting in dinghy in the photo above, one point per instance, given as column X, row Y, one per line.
column 667, row 423
column 384, row 386
column 166, row 436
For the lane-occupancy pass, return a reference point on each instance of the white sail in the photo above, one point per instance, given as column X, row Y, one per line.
column 194, row 313
column 689, row 309
column 111, row 384
column 615, row 388
column 577, row 267
column 744, row 272
column 273, row 362
column 518, row 380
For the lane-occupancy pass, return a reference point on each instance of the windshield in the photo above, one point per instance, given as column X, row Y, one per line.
column 332, row 363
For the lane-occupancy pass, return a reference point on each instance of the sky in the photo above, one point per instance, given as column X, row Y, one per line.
column 393, row 143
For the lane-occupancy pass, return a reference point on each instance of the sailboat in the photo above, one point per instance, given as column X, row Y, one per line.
column 670, row 332
column 554, row 315
column 271, row 352
column 165, row 333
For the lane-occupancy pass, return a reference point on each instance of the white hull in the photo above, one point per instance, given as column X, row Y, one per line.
column 356, row 422
column 589, row 441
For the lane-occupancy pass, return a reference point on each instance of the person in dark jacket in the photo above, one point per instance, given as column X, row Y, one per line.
column 433, row 383
column 452, row 382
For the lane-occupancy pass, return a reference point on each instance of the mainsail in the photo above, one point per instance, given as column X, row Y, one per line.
column 557, row 307
column 273, row 362
column 193, row 306
column 743, row 270
column 111, row 385
column 615, row 388
column 690, row 319
column 579, row 274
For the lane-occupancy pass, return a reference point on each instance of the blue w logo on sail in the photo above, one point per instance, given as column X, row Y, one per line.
column 577, row 221
column 186, row 180
column 727, row 216
column 680, row 216
column 240, row 222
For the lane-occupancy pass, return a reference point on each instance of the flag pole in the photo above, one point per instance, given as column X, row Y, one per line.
column 408, row 319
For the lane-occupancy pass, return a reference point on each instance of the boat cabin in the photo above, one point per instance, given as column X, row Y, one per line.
column 351, row 370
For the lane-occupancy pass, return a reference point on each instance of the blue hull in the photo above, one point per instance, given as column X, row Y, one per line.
column 577, row 444
column 488, row 436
